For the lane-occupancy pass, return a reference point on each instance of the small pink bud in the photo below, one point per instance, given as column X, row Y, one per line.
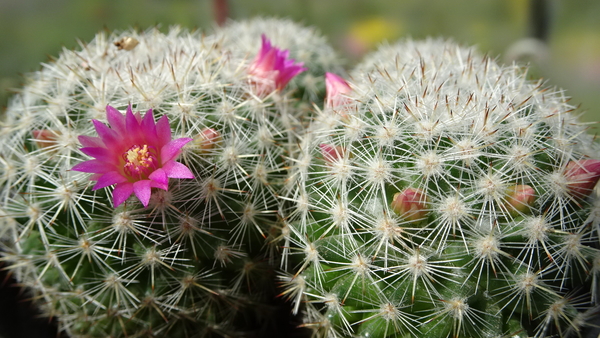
column 519, row 198
column 410, row 204
column 331, row 153
column 582, row 177
column 45, row 138
column 207, row 139
column 337, row 88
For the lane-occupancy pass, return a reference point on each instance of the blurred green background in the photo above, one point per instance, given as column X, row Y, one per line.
column 33, row 30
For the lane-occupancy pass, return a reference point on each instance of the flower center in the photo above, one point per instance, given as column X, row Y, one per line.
column 140, row 161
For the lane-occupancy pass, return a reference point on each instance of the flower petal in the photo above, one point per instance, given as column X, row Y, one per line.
column 160, row 179
column 94, row 166
column 336, row 88
column 116, row 120
column 108, row 179
column 121, row 193
column 148, row 127
column 172, row 149
column 95, row 177
column 90, row 141
column 132, row 123
column 110, row 138
column 266, row 45
column 143, row 191
column 289, row 73
column 177, row 170
column 163, row 131
column 101, row 154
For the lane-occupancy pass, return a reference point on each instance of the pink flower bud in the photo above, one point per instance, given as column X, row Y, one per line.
column 519, row 198
column 410, row 204
column 582, row 177
column 272, row 68
column 45, row 138
column 207, row 139
column 337, row 88
column 331, row 153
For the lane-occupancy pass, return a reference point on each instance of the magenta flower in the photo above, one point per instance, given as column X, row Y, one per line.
column 135, row 153
column 271, row 69
column 337, row 88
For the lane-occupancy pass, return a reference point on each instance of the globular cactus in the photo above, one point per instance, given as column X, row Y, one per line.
column 439, row 194
column 175, row 232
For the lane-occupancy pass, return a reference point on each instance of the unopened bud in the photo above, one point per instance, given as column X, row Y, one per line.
column 582, row 177
column 410, row 204
column 45, row 138
column 207, row 139
column 519, row 198
column 331, row 153
column 337, row 88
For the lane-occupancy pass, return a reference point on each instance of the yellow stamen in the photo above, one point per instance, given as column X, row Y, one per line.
column 139, row 161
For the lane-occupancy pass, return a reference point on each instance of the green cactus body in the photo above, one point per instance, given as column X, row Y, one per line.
column 199, row 259
column 441, row 200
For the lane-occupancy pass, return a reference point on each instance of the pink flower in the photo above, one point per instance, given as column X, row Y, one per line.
column 271, row 69
column 135, row 153
column 337, row 88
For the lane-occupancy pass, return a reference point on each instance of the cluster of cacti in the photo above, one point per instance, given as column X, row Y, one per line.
column 435, row 193
column 175, row 231
column 443, row 195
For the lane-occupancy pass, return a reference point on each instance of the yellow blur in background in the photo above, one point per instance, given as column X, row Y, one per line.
column 31, row 31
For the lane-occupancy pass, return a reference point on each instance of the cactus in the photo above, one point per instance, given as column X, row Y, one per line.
column 175, row 231
column 440, row 194
column 435, row 193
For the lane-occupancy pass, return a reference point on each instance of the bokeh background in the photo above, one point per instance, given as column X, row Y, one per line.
column 31, row 31
column 566, row 53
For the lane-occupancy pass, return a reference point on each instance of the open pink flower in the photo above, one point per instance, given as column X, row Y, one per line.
column 272, row 69
column 337, row 88
column 135, row 153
